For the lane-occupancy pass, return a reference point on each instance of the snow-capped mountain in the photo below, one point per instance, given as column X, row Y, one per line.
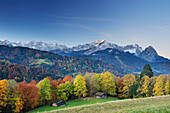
column 134, row 48
column 34, row 44
column 88, row 48
column 94, row 46
column 149, row 54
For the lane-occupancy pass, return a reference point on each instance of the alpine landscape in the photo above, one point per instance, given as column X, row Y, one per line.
column 87, row 56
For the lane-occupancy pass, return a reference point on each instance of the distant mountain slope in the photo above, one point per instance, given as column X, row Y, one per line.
column 150, row 55
column 20, row 72
column 127, row 61
column 129, row 58
column 55, row 64
column 89, row 48
column 34, row 44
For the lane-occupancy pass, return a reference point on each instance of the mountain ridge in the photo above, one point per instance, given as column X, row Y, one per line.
column 51, row 64
column 149, row 54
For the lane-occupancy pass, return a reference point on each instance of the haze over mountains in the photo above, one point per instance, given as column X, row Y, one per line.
column 129, row 58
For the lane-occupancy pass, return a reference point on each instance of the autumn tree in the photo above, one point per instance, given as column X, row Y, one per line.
column 92, row 83
column 167, row 85
column 80, row 86
column 45, row 91
column 151, row 85
column 67, row 78
column 29, row 94
column 128, row 81
column 64, row 91
column 108, row 84
column 33, row 82
column 59, row 81
column 144, row 86
column 69, row 89
column 158, row 87
column 99, row 78
column 60, row 91
column 53, row 89
column 147, row 70
column 4, row 90
column 15, row 102
column 120, row 86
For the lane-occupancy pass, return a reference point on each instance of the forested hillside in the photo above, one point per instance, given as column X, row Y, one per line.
column 35, row 64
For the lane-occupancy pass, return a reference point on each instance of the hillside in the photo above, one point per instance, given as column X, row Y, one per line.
column 129, row 58
column 127, row 61
column 54, row 64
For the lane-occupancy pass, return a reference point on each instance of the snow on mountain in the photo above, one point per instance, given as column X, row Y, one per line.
column 134, row 48
column 149, row 54
column 34, row 44
column 88, row 48
column 102, row 45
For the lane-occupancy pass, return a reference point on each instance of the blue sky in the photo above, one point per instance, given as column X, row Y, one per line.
column 73, row 22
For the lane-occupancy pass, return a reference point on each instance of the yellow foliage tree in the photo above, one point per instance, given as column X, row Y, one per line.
column 108, row 83
column 128, row 81
column 158, row 87
column 167, row 86
column 4, row 90
column 92, row 83
column 80, row 86
column 15, row 100
column 144, row 86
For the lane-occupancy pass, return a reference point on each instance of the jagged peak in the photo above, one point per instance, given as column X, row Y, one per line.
column 97, row 41
column 151, row 49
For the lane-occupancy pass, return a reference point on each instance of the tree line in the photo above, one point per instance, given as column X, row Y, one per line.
column 22, row 96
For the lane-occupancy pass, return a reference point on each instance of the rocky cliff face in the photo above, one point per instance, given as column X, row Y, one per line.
column 149, row 54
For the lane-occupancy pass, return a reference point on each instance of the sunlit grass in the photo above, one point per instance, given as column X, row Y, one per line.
column 160, row 104
column 76, row 102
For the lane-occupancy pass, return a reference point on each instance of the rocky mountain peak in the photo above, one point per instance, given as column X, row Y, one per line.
column 149, row 54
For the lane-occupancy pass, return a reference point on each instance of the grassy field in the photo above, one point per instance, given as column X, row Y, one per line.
column 40, row 61
column 160, row 104
column 74, row 103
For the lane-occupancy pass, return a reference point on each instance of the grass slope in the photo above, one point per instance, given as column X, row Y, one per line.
column 74, row 103
column 159, row 104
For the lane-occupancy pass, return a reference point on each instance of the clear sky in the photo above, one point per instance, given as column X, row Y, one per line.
column 73, row 22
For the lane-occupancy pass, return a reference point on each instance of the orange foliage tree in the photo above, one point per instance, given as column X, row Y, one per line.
column 29, row 94
column 67, row 78
column 120, row 86
column 4, row 90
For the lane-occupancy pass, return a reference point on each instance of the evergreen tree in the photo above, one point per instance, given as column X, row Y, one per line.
column 133, row 89
column 147, row 70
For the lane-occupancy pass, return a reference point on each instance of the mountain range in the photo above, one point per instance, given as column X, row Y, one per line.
column 128, row 58
column 149, row 54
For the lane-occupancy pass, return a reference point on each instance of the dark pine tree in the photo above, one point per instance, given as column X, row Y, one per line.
column 147, row 70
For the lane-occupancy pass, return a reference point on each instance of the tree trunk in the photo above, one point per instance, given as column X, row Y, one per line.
column 79, row 95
